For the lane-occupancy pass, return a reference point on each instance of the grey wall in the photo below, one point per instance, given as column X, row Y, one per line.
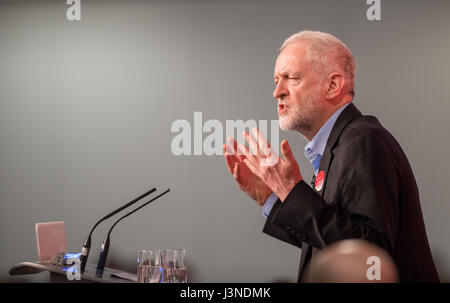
column 86, row 109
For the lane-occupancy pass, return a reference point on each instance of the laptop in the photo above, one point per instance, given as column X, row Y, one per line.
column 51, row 240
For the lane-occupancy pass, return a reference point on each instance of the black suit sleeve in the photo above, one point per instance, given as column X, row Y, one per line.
column 365, row 203
column 280, row 233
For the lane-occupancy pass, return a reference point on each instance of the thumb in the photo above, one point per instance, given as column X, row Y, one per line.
column 236, row 173
column 238, row 176
column 286, row 151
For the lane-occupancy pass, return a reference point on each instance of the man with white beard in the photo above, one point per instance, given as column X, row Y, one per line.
column 363, row 185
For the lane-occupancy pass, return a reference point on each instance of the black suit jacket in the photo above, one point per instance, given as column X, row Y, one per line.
column 369, row 192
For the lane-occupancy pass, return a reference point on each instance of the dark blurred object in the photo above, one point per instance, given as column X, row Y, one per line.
column 59, row 259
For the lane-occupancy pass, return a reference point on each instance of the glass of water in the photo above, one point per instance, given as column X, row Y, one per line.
column 174, row 266
column 149, row 266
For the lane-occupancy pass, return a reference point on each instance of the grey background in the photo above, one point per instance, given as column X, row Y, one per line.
column 86, row 109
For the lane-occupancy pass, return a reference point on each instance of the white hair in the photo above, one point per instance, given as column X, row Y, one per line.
column 326, row 53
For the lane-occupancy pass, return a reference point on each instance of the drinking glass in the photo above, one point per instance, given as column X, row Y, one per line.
column 149, row 266
column 174, row 267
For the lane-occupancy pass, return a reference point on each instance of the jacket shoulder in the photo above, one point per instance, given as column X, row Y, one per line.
column 368, row 129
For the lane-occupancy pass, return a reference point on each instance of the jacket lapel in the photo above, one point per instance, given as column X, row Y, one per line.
column 347, row 115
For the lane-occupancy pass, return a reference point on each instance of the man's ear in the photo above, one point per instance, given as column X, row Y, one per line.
column 335, row 85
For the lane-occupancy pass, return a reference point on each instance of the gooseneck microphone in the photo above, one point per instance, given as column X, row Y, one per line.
column 105, row 246
column 87, row 244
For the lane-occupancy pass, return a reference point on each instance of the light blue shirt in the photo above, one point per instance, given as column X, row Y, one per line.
column 313, row 151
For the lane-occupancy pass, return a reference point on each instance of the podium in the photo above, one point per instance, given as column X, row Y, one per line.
column 59, row 273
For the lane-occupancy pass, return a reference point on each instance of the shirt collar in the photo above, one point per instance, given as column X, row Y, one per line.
column 317, row 145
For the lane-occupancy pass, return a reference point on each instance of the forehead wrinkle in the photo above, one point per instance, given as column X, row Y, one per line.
column 283, row 68
column 294, row 55
column 289, row 65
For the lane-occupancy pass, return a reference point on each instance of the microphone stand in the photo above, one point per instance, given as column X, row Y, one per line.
column 87, row 244
column 105, row 245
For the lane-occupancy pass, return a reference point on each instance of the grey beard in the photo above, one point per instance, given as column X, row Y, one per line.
column 302, row 121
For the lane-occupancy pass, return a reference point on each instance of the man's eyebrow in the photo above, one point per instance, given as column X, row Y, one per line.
column 282, row 74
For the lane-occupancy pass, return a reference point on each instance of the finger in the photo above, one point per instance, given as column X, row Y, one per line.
column 286, row 151
column 251, row 143
column 230, row 161
column 233, row 145
column 228, row 149
column 243, row 150
column 238, row 177
column 263, row 144
column 236, row 173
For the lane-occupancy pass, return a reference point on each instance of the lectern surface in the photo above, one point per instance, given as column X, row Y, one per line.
column 59, row 273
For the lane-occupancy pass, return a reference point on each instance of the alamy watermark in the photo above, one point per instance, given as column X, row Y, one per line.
column 189, row 140
column 73, row 272
column 374, row 11
column 374, row 271
column 74, row 11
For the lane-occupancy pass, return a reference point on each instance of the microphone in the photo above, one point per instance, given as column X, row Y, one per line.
column 105, row 246
column 87, row 244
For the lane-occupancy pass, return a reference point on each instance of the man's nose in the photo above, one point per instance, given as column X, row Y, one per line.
column 280, row 90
